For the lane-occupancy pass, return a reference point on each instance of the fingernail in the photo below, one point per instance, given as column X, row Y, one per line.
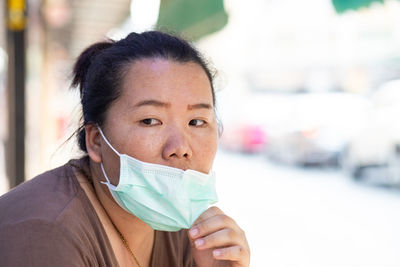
column 216, row 253
column 194, row 232
column 199, row 242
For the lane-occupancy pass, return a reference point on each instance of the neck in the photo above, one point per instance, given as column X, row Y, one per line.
column 138, row 234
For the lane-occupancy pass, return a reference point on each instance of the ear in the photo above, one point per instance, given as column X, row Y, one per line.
column 93, row 142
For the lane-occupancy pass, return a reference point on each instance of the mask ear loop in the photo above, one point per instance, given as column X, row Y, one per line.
column 101, row 164
column 108, row 143
column 105, row 175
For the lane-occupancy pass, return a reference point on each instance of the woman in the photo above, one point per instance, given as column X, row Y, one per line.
column 150, row 134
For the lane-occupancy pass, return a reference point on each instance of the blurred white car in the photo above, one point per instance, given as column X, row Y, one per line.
column 306, row 147
column 374, row 153
column 318, row 129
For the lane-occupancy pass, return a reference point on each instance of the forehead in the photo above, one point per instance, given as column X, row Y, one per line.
column 166, row 80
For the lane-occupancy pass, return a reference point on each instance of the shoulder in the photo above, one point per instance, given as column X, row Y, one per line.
column 42, row 198
column 48, row 221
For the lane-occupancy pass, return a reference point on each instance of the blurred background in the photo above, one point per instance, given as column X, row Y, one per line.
column 308, row 93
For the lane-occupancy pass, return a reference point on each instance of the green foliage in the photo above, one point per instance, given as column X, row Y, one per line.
column 345, row 5
column 193, row 18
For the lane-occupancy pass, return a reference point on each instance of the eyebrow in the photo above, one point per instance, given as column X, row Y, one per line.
column 199, row 106
column 151, row 102
column 157, row 103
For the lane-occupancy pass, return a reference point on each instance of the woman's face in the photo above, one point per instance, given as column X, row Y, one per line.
column 164, row 115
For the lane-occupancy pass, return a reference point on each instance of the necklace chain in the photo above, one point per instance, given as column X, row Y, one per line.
column 119, row 233
column 127, row 247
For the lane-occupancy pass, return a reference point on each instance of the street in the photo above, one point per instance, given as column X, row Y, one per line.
column 306, row 217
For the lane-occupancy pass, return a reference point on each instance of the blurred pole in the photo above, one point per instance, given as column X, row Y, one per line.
column 15, row 154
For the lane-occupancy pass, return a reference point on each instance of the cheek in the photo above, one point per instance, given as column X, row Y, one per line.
column 206, row 150
column 145, row 145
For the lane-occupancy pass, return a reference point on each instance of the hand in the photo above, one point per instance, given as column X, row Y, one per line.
column 218, row 241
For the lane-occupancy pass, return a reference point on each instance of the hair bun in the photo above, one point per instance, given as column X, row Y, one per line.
column 84, row 60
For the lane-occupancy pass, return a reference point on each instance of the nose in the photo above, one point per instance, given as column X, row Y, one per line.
column 177, row 145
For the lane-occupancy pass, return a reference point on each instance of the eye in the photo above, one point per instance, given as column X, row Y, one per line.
column 150, row 122
column 197, row 122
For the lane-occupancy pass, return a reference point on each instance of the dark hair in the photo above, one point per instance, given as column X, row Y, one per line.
column 99, row 70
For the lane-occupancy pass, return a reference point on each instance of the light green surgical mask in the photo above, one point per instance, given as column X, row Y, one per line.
column 166, row 198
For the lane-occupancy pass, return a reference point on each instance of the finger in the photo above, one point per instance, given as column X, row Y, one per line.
column 213, row 224
column 223, row 238
column 234, row 253
column 210, row 212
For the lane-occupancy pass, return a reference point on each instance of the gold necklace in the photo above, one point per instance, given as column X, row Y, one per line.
column 120, row 234
column 127, row 247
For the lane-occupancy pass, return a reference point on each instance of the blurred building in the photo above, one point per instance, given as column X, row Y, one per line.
column 58, row 31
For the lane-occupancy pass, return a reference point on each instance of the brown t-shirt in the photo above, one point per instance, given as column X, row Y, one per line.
column 49, row 221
